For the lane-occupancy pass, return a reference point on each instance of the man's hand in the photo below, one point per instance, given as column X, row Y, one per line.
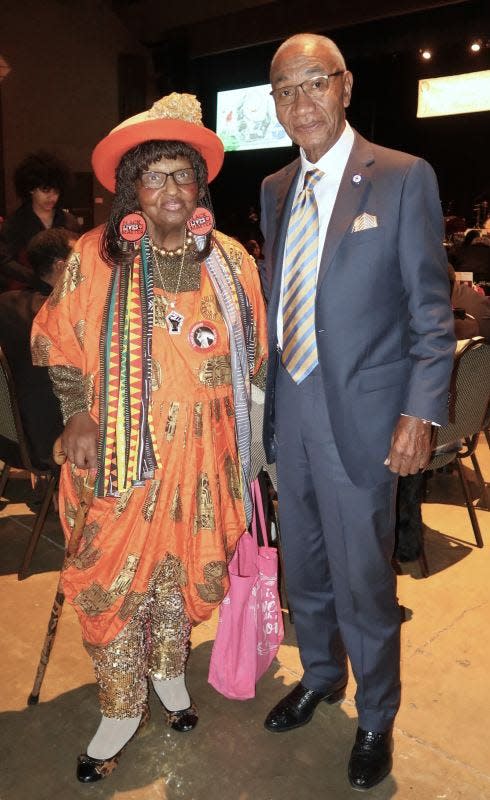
column 410, row 446
column 79, row 440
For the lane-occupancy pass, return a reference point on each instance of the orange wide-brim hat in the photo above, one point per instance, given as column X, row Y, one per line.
column 176, row 117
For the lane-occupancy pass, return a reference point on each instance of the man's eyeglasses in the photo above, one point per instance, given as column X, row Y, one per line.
column 315, row 88
column 157, row 180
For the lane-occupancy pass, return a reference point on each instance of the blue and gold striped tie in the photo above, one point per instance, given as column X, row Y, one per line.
column 299, row 353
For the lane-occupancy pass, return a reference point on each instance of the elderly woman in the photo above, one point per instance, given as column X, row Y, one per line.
column 151, row 339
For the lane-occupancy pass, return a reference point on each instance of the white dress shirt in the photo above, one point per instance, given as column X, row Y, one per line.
column 333, row 164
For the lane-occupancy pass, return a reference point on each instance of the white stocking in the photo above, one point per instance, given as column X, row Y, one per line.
column 172, row 693
column 112, row 734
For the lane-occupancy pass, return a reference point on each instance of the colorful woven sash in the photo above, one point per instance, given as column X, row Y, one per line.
column 127, row 444
column 128, row 452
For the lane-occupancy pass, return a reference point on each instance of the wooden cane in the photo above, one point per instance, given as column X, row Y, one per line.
column 73, row 544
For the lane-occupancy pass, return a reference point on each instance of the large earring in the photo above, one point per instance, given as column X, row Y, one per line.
column 132, row 228
column 200, row 224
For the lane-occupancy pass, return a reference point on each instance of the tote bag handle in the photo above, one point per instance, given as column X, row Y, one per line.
column 258, row 510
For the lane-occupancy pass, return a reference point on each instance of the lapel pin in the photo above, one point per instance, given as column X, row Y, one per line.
column 356, row 178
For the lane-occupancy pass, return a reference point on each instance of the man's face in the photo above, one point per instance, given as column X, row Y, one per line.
column 315, row 125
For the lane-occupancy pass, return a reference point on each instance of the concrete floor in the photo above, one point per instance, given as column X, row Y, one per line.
column 442, row 749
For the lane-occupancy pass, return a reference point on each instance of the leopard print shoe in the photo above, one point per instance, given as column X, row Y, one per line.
column 90, row 770
column 184, row 720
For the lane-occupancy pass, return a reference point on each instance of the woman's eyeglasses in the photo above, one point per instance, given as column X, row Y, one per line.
column 157, row 180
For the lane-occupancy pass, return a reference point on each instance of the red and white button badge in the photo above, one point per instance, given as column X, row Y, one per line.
column 203, row 336
column 201, row 222
column 132, row 227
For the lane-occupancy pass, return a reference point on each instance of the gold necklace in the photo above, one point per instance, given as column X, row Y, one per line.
column 162, row 251
column 174, row 319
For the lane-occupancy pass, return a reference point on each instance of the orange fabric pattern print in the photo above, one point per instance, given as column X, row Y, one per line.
column 183, row 524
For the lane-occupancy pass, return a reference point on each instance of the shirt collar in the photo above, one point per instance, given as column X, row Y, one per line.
column 333, row 162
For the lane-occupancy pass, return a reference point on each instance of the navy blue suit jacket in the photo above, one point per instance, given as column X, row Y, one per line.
column 384, row 323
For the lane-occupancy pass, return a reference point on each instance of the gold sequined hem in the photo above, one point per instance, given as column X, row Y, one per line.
column 155, row 643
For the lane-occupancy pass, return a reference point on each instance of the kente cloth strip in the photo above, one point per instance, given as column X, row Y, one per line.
column 299, row 353
column 246, row 310
column 221, row 275
column 129, row 454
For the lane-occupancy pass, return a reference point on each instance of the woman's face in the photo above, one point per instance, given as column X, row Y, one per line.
column 168, row 209
column 44, row 198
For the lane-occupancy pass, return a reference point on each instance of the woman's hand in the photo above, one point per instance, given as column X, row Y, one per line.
column 79, row 440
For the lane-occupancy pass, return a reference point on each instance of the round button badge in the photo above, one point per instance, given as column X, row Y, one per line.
column 132, row 227
column 203, row 336
column 201, row 222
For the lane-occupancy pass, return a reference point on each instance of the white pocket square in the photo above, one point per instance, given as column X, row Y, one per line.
column 364, row 221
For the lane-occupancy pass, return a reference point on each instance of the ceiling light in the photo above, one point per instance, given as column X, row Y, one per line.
column 476, row 46
column 425, row 53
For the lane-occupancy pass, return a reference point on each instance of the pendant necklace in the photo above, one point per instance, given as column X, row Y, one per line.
column 174, row 318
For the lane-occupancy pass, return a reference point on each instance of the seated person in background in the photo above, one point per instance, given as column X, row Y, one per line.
column 470, row 236
column 457, row 251
column 13, row 274
column 40, row 181
column 474, row 255
column 39, row 407
column 476, row 307
column 253, row 248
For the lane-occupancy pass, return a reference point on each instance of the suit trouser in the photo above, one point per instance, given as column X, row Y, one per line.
column 337, row 542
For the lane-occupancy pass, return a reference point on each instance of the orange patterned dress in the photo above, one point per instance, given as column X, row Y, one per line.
column 183, row 524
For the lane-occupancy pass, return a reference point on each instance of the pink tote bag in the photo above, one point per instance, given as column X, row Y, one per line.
column 250, row 626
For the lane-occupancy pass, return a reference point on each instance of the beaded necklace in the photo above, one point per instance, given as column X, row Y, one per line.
column 174, row 318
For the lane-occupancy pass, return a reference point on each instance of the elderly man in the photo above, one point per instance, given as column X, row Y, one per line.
column 361, row 343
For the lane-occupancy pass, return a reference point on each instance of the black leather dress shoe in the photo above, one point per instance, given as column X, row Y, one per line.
column 371, row 759
column 297, row 707
column 90, row 770
column 184, row 720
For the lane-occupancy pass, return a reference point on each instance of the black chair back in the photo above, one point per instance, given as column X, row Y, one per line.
column 14, row 452
column 468, row 410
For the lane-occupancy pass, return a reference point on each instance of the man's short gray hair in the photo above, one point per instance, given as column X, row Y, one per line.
column 324, row 41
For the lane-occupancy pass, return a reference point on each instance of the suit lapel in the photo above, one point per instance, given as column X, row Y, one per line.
column 350, row 199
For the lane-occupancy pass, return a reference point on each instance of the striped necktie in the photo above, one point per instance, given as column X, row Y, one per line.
column 299, row 354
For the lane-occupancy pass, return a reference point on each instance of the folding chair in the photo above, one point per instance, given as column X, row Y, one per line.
column 14, row 452
column 468, row 405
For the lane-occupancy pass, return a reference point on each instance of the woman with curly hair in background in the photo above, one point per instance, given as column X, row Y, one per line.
column 40, row 181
